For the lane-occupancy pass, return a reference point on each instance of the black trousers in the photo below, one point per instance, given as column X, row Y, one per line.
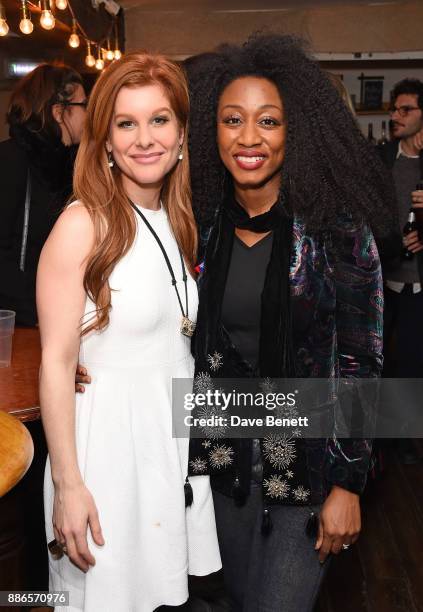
column 403, row 344
column 403, row 333
column 279, row 572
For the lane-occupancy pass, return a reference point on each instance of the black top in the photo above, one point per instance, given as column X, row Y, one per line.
column 50, row 168
column 241, row 308
column 406, row 174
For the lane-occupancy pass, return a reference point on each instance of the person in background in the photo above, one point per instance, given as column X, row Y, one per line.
column 403, row 332
column 46, row 115
column 339, row 85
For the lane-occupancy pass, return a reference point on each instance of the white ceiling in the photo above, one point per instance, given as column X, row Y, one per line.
column 244, row 5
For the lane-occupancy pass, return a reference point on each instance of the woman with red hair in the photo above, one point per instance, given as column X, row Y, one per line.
column 115, row 289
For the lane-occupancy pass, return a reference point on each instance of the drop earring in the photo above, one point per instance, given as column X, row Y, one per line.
column 110, row 161
column 181, row 155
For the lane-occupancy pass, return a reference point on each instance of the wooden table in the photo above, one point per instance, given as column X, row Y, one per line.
column 22, row 540
column 19, row 382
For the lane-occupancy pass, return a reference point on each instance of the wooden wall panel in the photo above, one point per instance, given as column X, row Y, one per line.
column 330, row 29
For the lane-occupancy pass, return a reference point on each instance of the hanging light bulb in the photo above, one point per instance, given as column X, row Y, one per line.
column 117, row 52
column 4, row 28
column 73, row 38
column 90, row 59
column 100, row 61
column 47, row 20
column 110, row 54
column 25, row 25
column 62, row 4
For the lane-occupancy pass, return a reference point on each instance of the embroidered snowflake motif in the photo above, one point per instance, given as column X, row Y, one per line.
column 198, row 465
column 279, row 450
column 289, row 474
column 301, row 494
column 221, row 456
column 268, row 386
column 276, row 487
column 215, row 361
column 216, row 429
column 202, row 382
column 206, row 443
column 286, row 412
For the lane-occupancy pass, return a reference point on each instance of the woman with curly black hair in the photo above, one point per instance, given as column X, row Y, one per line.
column 285, row 194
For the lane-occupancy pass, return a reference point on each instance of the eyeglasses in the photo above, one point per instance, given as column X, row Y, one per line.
column 402, row 110
column 84, row 104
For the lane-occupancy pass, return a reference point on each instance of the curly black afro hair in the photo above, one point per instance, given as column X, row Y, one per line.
column 329, row 167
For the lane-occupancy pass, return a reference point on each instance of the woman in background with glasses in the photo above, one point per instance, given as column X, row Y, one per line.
column 36, row 165
column 46, row 116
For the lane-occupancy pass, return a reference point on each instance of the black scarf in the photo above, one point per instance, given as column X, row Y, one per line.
column 51, row 160
column 275, row 351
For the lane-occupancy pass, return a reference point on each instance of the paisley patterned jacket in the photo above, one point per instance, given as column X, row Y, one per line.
column 337, row 319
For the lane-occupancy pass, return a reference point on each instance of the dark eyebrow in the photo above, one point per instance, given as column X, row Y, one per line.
column 262, row 107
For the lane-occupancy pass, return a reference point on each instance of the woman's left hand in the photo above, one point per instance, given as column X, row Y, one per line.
column 339, row 522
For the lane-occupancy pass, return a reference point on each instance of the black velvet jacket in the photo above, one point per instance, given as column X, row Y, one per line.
column 337, row 304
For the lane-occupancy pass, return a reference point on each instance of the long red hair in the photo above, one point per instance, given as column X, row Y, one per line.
column 100, row 189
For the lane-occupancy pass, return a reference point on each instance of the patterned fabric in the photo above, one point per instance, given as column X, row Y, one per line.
column 337, row 319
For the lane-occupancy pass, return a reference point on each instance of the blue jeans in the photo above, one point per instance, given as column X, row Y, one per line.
column 279, row 572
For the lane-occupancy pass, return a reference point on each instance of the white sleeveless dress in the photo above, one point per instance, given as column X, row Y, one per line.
column 128, row 458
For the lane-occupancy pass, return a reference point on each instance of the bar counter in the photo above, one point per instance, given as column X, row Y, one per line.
column 23, row 550
column 19, row 382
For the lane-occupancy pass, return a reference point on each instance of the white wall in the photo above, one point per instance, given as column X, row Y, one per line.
column 391, row 76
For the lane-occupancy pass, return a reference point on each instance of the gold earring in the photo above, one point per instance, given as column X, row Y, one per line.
column 181, row 155
column 111, row 161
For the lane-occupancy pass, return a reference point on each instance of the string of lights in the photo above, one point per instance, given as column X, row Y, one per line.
column 105, row 52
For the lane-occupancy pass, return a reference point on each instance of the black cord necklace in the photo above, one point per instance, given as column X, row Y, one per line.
column 187, row 326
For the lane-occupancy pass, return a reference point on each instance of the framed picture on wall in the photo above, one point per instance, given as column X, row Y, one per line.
column 371, row 92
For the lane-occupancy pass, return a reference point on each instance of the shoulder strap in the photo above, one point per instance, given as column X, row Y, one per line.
column 25, row 222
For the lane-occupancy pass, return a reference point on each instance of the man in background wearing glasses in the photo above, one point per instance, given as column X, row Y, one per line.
column 404, row 279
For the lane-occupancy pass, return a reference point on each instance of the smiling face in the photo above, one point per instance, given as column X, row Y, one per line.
column 251, row 132
column 412, row 122
column 144, row 137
